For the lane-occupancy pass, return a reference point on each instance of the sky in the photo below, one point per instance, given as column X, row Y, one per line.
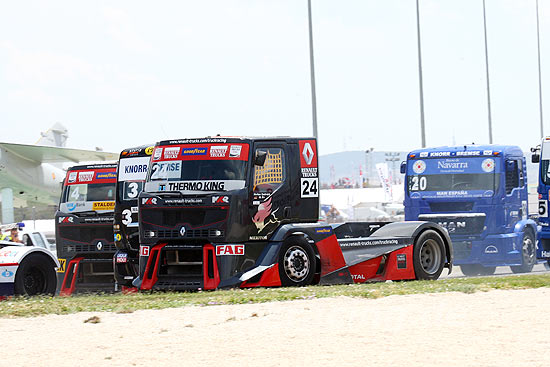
column 126, row 73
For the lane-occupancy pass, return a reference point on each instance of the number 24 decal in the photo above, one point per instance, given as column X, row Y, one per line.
column 310, row 188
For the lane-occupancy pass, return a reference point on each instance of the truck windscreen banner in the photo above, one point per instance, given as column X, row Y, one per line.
column 453, row 177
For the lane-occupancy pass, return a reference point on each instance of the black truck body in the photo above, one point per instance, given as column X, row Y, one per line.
column 84, row 229
column 132, row 171
column 242, row 212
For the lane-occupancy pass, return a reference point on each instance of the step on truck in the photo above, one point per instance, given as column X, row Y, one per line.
column 479, row 194
column 243, row 212
column 84, row 229
column 541, row 155
column 132, row 171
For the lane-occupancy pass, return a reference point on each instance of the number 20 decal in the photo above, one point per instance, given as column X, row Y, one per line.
column 310, row 188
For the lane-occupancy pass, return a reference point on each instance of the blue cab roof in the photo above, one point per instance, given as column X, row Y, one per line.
column 467, row 151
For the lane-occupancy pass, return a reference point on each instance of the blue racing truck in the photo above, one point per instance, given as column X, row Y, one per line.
column 541, row 155
column 479, row 194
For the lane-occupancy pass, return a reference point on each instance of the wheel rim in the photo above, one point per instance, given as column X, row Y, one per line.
column 528, row 250
column 34, row 281
column 296, row 264
column 430, row 256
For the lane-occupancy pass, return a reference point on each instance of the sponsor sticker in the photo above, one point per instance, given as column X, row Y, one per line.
column 105, row 175
column 121, row 258
column 171, row 153
column 149, row 150
column 72, row 177
column 103, row 205
column 62, row 265
column 149, row 201
column 163, row 170
column 324, row 230
column 224, row 250
column 86, row 176
column 144, row 250
column 194, row 151
column 7, row 273
column 66, row 220
column 220, row 199
column 419, row 166
column 235, row 151
column 158, row 153
column 488, row 165
column 118, row 237
column 133, row 169
column 308, row 153
column 218, row 151
column 401, row 261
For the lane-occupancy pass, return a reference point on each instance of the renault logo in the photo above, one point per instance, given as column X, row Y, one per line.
column 182, row 231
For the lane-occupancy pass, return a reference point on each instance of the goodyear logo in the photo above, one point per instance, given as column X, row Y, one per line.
column 62, row 265
column 105, row 175
column 118, row 237
column 104, row 205
column 149, row 150
column 194, row 151
column 324, row 230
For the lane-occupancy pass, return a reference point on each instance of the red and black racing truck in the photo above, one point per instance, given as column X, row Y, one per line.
column 243, row 212
column 84, row 229
column 132, row 171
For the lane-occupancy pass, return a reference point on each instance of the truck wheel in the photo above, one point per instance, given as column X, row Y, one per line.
column 528, row 252
column 35, row 275
column 296, row 262
column 428, row 256
column 487, row 270
column 470, row 270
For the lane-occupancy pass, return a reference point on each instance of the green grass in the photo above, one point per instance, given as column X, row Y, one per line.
column 119, row 303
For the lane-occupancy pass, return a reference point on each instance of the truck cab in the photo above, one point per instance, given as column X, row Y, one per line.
column 479, row 194
column 132, row 171
column 84, row 229
column 541, row 155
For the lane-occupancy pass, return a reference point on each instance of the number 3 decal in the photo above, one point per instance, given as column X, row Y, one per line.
column 126, row 217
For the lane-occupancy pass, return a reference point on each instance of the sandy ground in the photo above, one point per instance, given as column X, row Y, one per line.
column 498, row 328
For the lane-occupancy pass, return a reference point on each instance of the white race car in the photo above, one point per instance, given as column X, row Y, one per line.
column 27, row 268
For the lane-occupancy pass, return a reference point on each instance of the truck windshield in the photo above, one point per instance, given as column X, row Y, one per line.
column 448, row 182
column 545, row 171
column 456, row 177
column 88, row 192
column 205, row 167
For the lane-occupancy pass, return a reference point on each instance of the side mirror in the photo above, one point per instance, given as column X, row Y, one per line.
column 535, row 158
column 259, row 159
column 403, row 167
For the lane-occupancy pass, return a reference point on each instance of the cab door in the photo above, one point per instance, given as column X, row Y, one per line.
column 515, row 199
column 269, row 190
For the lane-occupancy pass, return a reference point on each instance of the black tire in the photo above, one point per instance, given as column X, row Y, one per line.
column 35, row 275
column 429, row 256
column 471, row 270
column 297, row 262
column 487, row 270
column 528, row 251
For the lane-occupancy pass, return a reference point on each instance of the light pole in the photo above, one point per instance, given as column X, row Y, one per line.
column 312, row 70
column 368, row 164
column 540, row 81
column 392, row 157
column 420, row 82
column 487, row 76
